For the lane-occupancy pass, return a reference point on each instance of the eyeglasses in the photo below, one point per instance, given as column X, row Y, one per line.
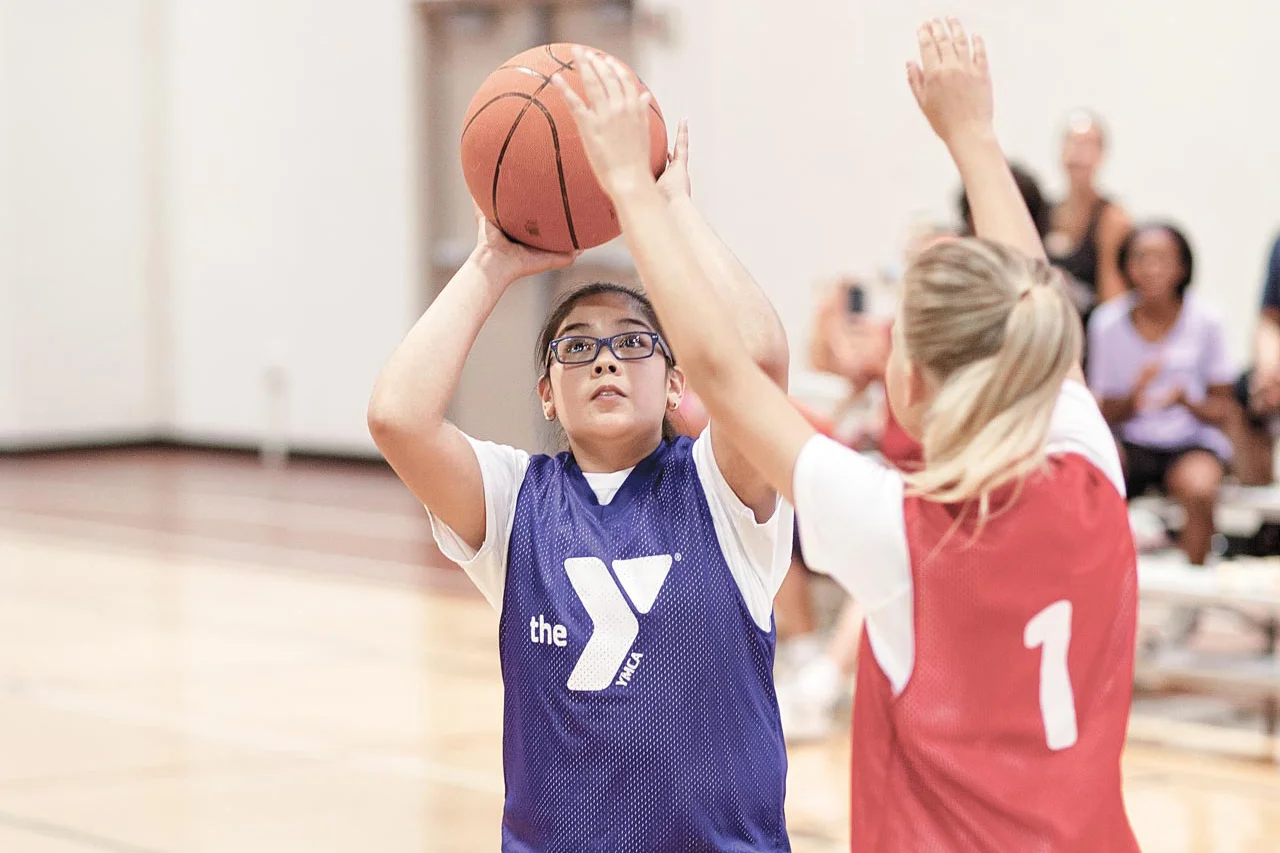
column 627, row 346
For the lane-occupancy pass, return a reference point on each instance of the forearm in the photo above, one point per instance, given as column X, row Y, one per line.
column 1118, row 410
column 738, row 292
column 694, row 317
column 418, row 382
column 750, row 410
column 999, row 213
column 1214, row 410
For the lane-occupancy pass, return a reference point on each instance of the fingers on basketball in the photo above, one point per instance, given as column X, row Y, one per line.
column 626, row 83
column 576, row 105
column 592, row 83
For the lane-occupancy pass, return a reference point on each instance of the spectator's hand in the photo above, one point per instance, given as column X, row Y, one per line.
column 829, row 316
column 1144, row 401
column 861, row 350
column 1176, row 397
column 1166, row 400
column 1145, row 377
column 952, row 83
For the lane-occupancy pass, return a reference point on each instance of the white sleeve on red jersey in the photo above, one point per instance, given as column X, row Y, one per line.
column 502, row 469
column 850, row 515
column 1078, row 427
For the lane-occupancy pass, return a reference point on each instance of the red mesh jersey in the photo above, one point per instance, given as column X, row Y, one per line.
column 1008, row 735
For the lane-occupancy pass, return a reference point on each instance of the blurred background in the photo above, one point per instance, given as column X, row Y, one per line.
column 227, row 627
column 219, row 217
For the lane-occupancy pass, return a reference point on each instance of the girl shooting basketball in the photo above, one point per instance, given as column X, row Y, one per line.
column 999, row 580
column 634, row 574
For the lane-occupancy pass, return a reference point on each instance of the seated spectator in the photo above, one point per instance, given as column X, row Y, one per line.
column 1258, row 390
column 1083, row 293
column 1086, row 227
column 1159, row 365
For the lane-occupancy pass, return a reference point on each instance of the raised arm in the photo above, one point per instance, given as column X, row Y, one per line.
column 407, row 409
column 746, row 405
column 952, row 85
column 751, row 312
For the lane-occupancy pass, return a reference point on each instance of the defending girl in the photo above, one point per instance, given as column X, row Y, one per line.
column 999, row 580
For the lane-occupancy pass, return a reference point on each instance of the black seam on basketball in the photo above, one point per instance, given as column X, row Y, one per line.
column 564, row 189
column 564, row 66
column 506, row 143
column 489, row 104
column 569, row 67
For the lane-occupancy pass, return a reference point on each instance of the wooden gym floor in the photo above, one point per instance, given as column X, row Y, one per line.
column 201, row 655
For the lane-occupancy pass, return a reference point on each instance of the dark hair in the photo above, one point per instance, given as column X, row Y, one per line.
column 1179, row 239
column 1031, row 195
column 566, row 304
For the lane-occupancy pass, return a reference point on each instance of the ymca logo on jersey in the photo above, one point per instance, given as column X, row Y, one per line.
column 614, row 625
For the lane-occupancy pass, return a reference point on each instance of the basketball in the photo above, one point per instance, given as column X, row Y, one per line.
column 524, row 162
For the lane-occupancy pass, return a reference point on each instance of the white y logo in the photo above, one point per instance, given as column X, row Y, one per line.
column 614, row 626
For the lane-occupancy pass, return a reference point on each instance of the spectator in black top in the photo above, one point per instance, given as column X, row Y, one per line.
column 1258, row 390
column 1086, row 228
column 1041, row 214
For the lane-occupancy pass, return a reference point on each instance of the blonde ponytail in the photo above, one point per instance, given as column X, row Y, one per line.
column 998, row 334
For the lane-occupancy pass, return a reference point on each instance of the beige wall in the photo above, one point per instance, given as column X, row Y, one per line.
column 74, row 339
column 811, row 159
column 203, row 203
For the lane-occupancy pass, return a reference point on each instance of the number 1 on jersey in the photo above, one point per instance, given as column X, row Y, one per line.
column 1050, row 629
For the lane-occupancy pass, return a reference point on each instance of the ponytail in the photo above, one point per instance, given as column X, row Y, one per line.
column 998, row 333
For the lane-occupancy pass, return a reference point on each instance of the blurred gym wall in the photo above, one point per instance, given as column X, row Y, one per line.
column 217, row 218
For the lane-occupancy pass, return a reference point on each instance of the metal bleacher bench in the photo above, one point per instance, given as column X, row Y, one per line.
column 1247, row 585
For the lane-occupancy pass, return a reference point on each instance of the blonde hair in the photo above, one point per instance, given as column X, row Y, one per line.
column 998, row 334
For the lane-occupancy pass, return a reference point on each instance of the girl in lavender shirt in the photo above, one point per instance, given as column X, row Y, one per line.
column 1158, row 363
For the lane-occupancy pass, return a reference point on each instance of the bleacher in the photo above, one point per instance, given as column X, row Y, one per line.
column 1245, row 587
column 1236, row 583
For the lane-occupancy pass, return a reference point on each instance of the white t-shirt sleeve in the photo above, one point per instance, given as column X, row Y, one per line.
column 1078, row 427
column 850, row 512
column 502, row 469
column 758, row 554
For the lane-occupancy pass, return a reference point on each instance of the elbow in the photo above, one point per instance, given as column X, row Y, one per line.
column 776, row 366
column 383, row 422
column 773, row 356
column 388, row 420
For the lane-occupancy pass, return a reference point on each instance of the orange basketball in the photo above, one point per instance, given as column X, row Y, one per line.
column 524, row 162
